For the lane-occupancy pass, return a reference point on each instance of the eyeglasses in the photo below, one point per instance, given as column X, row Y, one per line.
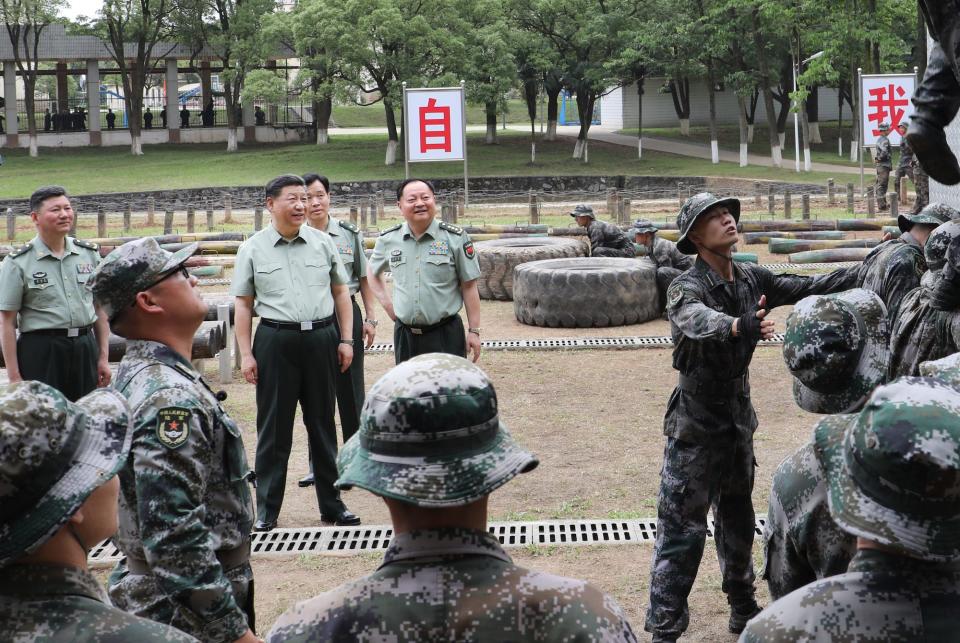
column 179, row 270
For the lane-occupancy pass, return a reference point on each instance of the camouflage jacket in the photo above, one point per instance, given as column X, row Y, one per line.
column 920, row 332
column 883, row 597
column 701, row 307
column 455, row 585
column 40, row 603
column 882, row 154
column 891, row 270
column 607, row 235
column 666, row 255
column 906, row 154
column 184, row 491
column 802, row 542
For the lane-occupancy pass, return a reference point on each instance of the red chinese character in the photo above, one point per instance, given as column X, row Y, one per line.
column 435, row 127
column 887, row 101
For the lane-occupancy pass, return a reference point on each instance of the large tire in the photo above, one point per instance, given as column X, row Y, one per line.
column 585, row 293
column 498, row 258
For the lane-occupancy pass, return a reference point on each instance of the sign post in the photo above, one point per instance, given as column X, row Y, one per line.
column 883, row 98
column 435, row 126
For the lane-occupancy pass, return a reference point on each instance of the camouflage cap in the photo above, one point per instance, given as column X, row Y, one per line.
column 893, row 476
column 935, row 249
column 836, row 347
column 641, row 226
column 884, row 126
column 53, row 455
column 946, row 369
column 582, row 210
column 430, row 434
column 693, row 208
column 931, row 214
column 130, row 269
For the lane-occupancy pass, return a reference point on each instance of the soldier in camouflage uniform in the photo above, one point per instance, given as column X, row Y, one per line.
column 921, row 183
column 716, row 311
column 58, row 498
column 905, row 163
column 432, row 445
column 836, row 349
column 884, row 162
column 606, row 239
column 909, row 166
column 186, row 508
column 921, row 331
column 669, row 261
column 893, row 479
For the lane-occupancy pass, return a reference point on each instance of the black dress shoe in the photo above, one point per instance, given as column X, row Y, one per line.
column 265, row 525
column 342, row 519
column 306, row 481
column 929, row 145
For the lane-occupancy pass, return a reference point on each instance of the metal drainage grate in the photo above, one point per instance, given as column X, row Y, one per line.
column 214, row 282
column 345, row 541
column 572, row 343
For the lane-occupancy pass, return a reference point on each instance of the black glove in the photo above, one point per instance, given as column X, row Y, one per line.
column 749, row 326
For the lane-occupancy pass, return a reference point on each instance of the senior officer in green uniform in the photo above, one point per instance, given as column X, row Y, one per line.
column 349, row 241
column 296, row 277
column 63, row 339
column 435, row 273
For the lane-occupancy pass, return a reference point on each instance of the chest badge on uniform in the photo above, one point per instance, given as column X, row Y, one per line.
column 85, row 269
column 345, row 249
column 468, row 249
column 40, row 278
column 396, row 256
column 173, row 426
column 439, row 248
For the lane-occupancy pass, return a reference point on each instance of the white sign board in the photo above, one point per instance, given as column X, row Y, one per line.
column 435, row 124
column 885, row 98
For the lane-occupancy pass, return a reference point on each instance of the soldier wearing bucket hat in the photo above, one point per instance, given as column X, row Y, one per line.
column 883, row 159
column 606, row 239
column 717, row 312
column 432, row 445
column 185, row 507
column 926, row 327
column 836, row 349
column 670, row 262
column 893, row 480
column 58, row 498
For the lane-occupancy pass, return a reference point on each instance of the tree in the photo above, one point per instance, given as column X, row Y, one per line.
column 25, row 21
column 135, row 31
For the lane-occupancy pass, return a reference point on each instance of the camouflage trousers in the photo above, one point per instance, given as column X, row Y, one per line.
column 921, row 183
column 695, row 478
column 880, row 189
column 629, row 253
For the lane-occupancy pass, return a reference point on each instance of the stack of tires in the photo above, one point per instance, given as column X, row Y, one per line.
column 498, row 258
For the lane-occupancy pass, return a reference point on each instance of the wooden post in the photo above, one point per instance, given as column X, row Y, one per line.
column 101, row 222
column 372, row 204
column 73, row 226
column 445, row 212
column 612, row 202
column 363, row 215
column 871, row 203
column 805, row 206
column 460, row 202
column 223, row 316
column 353, row 215
column 257, row 219
column 902, row 189
column 227, row 208
column 771, row 200
column 126, row 218
column 533, row 216
column 831, row 197
column 11, row 224
column 894, row 205
column 680, row 196
column 191, row 220
column 850, row 197
column 625, row 207
column 380, row 214
column 787, row 205
column 151, row 209
column 757, row 196
column 209, row 220
column 168, row 222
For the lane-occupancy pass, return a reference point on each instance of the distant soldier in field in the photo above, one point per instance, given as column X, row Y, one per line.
column 883, row 159
column 148, row 119
column 111, row 118
column 606, row 239
column 669, row 261
column 905, row 162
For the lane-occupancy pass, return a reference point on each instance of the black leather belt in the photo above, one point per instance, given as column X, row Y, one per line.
column 734, row 386
column 61, row 332
column 420, row 330
column 229, row 559
column 301, row 326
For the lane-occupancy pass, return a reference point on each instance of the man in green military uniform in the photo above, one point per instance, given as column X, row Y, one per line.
column 63, row 339
column 58, row 498
column 435, row 271
column 893, row 478
column 185, row 507
column 432, row 445
column 349, row 242
column 884, row 162
column 292, row 276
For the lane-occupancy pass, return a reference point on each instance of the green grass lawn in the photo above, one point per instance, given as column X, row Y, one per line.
column 729, row 139
column 374, row 115
column 92, row 170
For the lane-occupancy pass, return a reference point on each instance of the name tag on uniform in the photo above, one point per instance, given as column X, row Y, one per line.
column 40, row 280
column 85, row 269
column 396, row 256
column 439, row 248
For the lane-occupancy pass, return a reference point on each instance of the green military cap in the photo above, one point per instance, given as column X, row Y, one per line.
column 430, row 434
column 931, row 214
column 642, row 226
column 582, row 211
column 946, row 369
column 836, row 348
column 693, row 208
column 884, row 127
column 893, row 475
column 935, row 249
column 53, row 455
column 132, row 268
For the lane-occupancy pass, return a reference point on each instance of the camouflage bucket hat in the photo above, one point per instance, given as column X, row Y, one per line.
column 931, row 214
column 935, row 249
column 693, row 208
column 893, row 476
column 53, row 455
column 430, row 434
column 836, row 347
column 582, row 211
column 946, row 369
column 130, row 269
column 642, row 226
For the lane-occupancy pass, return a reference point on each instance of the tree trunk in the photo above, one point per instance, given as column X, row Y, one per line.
column 553, row 110
column 640, row 82
column 392, row 138
column 681, row 103
column 586, row 99
column 712, row 102
column 231, row 139
column 321, row 117
column 490, row 109
column 29, row 98
column 805, row 136
column 813, row 114
column 854, row 111
column 136, row 146
column 742, row 104
column 752, row 114
column 767, row 92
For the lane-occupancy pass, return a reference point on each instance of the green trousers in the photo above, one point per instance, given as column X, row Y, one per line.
column 295, row 367
column 444, row 338
column 68, row 364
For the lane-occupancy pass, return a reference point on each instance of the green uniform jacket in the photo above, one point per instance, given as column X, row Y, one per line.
column 349, row 242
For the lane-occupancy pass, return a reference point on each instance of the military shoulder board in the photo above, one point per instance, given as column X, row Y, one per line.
column 449, row 227
column 347, row 225
column 393, row 228
column 86, row 244
column 19, row 251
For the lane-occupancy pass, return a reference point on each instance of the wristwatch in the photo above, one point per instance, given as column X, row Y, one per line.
column 372, row 322
column 475, row 331
column 346, row 341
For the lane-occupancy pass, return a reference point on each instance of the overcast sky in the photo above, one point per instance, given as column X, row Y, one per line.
column 87, row 8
